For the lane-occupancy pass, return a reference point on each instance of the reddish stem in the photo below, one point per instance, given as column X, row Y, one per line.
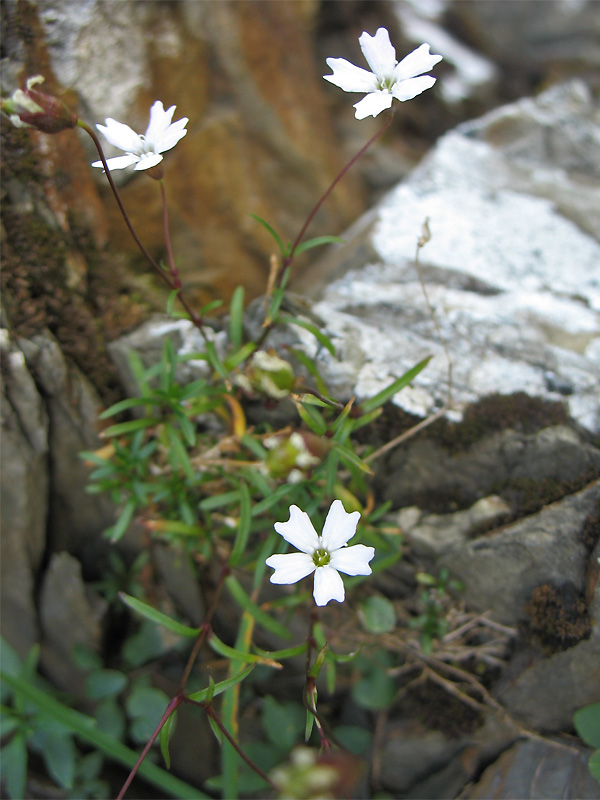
column 176, row 701
column 288, row 260
column 192, row 314
column 172, row 267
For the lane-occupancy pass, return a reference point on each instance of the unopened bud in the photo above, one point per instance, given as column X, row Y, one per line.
column 267, row 374
column 293, row 456
column 34, row 109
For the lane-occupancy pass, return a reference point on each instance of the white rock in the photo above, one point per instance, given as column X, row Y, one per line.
column 511, row 270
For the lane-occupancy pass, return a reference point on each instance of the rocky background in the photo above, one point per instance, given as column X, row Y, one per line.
column 502, row 157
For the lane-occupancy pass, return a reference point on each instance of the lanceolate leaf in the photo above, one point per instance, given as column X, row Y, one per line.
column 386, row 394
column 157, row 616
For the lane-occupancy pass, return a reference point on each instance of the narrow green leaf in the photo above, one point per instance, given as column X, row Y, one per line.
column 271, row 500
column 121, row 525
column 386, row 394
column 219, row 500
column 209, row 307
column 272, row 231
column 321, row 337
column 312, row 418
column 264, row 619
column 85, row 727
column 129, row 427
column 216, row 730
column 237, row 655
column 310, row 721
column 309, row 364
column 157, row 616
column 165, row 739
column 171, row 301
column 277, row 655
column 349, row 457
column 236, row 318
column 219, row 688
column 243, row 529
column 232, row 361
column 318, row 241
column 315, row 670
column 139, row 371
column 13, row 766
column 215, row 361
column 123, row 405
column 180, row 453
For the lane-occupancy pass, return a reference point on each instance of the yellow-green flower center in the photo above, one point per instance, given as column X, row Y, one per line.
column 321, row 558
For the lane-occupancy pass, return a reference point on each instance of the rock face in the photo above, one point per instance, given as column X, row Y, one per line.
column 259, row 138
column 49, row 413
column 511, row 271
column 24, row 473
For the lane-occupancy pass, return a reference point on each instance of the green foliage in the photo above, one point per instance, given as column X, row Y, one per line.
column 181, row 458
column 434, row 601
column 375, row 689
column 34, row 719
column 587, row 725
column 377, row 614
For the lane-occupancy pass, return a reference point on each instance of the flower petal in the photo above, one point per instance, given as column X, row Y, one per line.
column 159, row 121
column 299, row 531
column 379, row 52
column 339, row 527
column 373, row 104
column 148, row 160
column 172, row 135
column 328, row 586
column 119, row 162
column 291, row 567
column 416, row 63
column 353, row 560
column 350, row 78
column 121, row 136
column 406, row 90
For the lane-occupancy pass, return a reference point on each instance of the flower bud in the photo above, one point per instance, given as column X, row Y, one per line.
column 293, row 456
column 267, row 374
column 34, row 109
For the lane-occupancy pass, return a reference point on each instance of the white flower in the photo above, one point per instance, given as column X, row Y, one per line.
column 388, row 78
column 326, row 555
column 143, row 150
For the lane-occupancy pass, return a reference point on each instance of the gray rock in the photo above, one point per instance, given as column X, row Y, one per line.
column 536, row 768
column 500, row 570
column 76, row 518
column 416, row 763
column 70, row 614
column 506, row 216
column 24, row 482
column 147, row 341
column 523, row 468
column 571, row 677
column 431, row 535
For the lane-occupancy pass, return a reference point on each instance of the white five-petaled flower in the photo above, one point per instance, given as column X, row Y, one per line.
column 388, row 78
column 326, row 555
column 143, row 150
